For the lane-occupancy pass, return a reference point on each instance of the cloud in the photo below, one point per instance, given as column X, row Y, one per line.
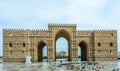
column 61, row 44
column 26, row 9
column 87, row 14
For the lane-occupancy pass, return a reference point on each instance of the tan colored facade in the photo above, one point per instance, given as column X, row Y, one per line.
column 96, row 45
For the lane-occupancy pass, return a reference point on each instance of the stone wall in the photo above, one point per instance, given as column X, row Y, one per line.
column 105, row 43
column 100, row 45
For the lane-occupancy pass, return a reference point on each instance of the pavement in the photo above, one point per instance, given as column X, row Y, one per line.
column 57, row 66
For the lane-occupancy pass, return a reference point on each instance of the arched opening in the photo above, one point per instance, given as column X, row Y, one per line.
column 63, row 48
column 79, row 53
column 82, row 51
column 42, row 52
column 45, row 53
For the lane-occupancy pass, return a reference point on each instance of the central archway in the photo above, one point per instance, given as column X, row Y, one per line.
column 66, row 35
column 40, row 49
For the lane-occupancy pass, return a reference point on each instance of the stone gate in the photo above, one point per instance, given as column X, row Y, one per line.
column 96, row 45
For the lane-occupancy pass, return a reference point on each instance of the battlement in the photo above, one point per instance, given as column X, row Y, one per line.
column 67, row 25
column 84, row 32
column 25, row 32
column 98, row 30
column 31, row 30
column 101, row 30
column 38, row 30
column 14, row 29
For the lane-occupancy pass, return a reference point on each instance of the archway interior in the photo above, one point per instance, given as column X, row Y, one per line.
column 83, row 51
column 42, row 52
column 79, row 53
column 64, row 34
column 61, row 49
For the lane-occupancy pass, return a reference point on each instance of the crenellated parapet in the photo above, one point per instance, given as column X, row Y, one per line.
column 57, row 27
column 45, row 32
column 84, row 33
column 40, row 32
column 13, row 29
column 62, row 25
column 25, row 32
column 15, row 32
column 34, row 30
column 95, row 32
column 105, row 32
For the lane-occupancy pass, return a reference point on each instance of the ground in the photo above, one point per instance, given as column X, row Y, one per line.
column 64, row 66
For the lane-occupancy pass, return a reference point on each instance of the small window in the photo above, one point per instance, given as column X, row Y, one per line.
column 111, row 44
column 10, row 44
column 23, row 52
column 11, row 52
column 23, row 44
column 99, row 51
column 99, row 44
column 111, row 34
column 10, row 34
column 110, row 51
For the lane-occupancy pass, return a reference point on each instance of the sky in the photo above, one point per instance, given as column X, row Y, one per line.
column 37, row 14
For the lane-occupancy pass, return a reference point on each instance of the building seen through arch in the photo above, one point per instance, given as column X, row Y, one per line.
column 62, row 49
column 95, row 45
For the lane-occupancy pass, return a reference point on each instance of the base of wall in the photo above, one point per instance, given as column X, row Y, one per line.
column 105, row 59
column 51, row 60
column 21, row 60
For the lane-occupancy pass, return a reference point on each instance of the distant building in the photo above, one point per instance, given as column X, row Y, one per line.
column 61, row 54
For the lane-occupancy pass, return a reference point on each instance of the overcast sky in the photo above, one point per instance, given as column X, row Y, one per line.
column 36, row 14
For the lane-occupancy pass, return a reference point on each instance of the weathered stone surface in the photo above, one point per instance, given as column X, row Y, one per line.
column 96, row 45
